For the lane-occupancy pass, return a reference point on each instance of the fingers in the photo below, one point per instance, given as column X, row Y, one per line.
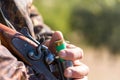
column 56, row 36
column 71, row 53
column 78, row 72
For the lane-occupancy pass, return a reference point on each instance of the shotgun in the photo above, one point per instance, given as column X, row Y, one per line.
column 32, row 53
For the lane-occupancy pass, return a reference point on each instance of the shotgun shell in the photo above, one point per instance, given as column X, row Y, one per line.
column 60, row 45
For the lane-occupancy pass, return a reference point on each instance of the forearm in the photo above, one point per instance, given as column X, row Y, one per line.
column 10, row 68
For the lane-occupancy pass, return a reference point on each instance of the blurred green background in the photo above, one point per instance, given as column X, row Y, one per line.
column 94, row 25
column 95, row 22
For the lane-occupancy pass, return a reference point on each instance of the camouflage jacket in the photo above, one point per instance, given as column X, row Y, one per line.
column 21, row 13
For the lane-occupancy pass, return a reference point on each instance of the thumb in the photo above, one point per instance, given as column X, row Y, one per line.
column 57, row 35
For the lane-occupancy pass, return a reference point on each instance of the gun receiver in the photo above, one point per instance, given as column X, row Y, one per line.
column 26, row 50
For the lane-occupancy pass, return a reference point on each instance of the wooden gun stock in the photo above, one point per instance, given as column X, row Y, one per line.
column 6, row 37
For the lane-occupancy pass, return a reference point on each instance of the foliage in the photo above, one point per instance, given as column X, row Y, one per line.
column 55, row 13
column 97, row 20
column 99, row 27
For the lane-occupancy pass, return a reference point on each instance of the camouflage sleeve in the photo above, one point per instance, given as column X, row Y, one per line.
column 23, row 14
column 10, row 68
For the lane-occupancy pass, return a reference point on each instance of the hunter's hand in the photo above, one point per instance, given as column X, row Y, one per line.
column 79, row 70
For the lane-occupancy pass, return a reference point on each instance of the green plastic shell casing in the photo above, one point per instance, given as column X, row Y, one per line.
column 60, row 45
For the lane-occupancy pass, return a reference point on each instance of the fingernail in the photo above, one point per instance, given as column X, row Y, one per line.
column 68, row 73
column 62, row 54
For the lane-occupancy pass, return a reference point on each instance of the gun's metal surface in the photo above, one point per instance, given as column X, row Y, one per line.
column 25, row 50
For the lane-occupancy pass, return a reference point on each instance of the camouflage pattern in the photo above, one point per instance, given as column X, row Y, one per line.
column 21, row 13
column 10, row 68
